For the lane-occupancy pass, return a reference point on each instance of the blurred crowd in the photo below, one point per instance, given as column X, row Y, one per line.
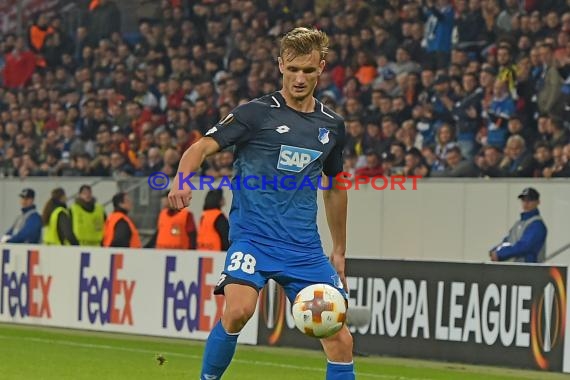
column 440, row 88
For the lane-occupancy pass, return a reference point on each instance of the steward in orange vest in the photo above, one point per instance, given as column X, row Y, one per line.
column 120, row 231
column 37, row 34
column 213, row 233
column 175, row 229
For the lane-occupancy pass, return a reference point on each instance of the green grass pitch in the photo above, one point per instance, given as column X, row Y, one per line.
column 35, row 353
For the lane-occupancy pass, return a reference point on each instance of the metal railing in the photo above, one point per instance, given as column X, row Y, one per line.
column 559, row 251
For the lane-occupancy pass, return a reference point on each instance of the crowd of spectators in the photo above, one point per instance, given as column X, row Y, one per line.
column 462, row 88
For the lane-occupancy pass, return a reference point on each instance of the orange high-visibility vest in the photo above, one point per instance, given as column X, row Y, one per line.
column 38, row 36
column 109, row 231
column 172, row 231
column 94, row 4
column 208, row 238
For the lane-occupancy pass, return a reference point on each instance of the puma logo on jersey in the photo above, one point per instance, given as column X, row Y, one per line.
column 295, row 159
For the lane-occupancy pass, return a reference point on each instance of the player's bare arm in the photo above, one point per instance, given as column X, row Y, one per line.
column 336, row 201
column 190, row 162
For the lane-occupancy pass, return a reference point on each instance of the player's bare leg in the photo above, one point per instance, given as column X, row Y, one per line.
column 241, row 301
column 338, row 349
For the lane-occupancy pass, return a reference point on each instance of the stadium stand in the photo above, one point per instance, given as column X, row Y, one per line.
column 97, row 100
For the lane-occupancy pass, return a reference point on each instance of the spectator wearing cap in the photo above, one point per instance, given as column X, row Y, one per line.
column 526, row 240
column 87, row 218
column 57, row 221
column 28, row 226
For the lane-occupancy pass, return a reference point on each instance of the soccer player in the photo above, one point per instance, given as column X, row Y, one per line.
column 273, row 231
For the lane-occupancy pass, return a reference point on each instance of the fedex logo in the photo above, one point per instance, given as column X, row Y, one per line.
column 34, row 300
column 100, row 296
column 187, row 302
column 295, row 159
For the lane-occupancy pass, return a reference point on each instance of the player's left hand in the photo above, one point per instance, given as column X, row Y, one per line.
column 338, row 262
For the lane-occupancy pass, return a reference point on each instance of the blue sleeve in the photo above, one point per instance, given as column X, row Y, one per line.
column 34, row 223
column 238, row 126
column 531, row 241
column 511, row 107
column 9, row 232
column 335, row 161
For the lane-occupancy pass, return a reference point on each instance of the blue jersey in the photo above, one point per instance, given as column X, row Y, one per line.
column 281, row 153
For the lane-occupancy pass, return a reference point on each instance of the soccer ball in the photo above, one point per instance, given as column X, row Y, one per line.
column 319, row 311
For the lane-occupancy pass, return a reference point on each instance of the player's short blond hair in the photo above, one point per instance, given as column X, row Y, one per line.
column 302, row 41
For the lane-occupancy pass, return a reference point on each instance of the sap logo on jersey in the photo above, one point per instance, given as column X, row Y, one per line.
column 34, row 300
column 295, row 159
column 105, row 306
column 192, row 305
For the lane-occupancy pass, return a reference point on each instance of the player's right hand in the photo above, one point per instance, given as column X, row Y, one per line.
column 179, row 198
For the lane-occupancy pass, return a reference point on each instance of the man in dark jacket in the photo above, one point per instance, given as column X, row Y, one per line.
column 28, row 226
column 104, row 19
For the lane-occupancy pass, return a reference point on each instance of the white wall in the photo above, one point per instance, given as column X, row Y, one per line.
column 442, row 219
column 449, row 219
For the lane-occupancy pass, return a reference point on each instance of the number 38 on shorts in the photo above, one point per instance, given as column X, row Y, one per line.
column 240, row 261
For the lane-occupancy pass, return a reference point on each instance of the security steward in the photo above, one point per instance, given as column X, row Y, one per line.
column 120, row 231
column 56, row 220
column 526, row 241
column 213, row 233
column 175, row 229
column 87, row 218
